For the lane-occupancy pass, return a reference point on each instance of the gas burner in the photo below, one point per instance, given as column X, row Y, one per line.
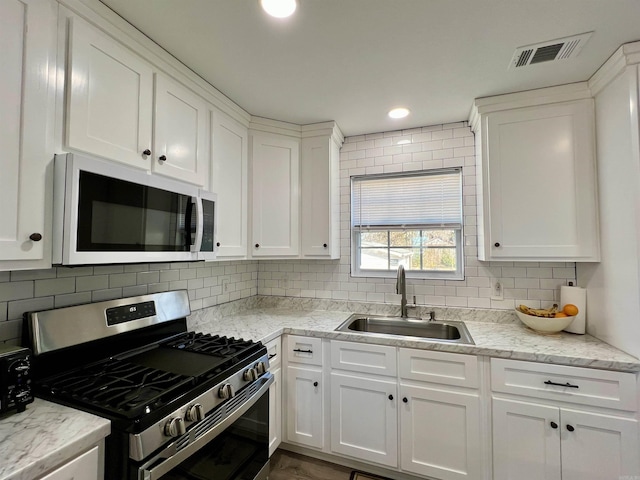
column 213, row 345
column 119, row 386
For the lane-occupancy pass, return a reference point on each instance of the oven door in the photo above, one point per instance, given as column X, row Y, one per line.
column 231, row 447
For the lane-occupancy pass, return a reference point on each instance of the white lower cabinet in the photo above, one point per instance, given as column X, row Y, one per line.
column 542, row 436
column 383, row 412
column 87, row 466
column 275, row 411
column 305, row 390
column 275, row 394
column 440, row 433
column 305, row 406
column 364, row 418
column 534, row 441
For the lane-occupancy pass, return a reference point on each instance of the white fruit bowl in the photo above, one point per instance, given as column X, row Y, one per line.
column 544, row 325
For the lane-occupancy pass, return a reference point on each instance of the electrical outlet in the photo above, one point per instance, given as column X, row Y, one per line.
column 497, row 291
column 225, row 285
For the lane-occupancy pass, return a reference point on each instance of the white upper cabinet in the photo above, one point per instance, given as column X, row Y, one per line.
column 112, row 111
column 109, row 98
column 229, row 180
column 275, row 174
column 180, row 136
column 320, row 192
column 27, row 103
column 536, row 176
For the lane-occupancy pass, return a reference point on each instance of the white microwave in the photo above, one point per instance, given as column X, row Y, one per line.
column 108, row 213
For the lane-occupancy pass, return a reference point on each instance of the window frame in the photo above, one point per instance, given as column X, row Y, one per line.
column 356, row 249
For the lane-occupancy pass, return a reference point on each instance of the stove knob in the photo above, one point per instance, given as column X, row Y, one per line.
column 226, row 391
column 261, row 368
column 175, row 427
column 195, row 413
column 250, row 374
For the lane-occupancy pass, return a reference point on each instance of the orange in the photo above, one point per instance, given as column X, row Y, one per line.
column 570, row 309
column 560, row 315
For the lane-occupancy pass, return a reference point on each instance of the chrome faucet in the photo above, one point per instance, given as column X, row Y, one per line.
column 401, row 288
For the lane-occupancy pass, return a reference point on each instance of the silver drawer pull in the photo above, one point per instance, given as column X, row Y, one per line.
column 549, row 382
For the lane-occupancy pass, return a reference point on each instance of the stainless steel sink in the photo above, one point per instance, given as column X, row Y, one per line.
column 448, row 332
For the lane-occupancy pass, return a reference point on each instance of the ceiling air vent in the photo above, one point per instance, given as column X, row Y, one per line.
column 559, row 49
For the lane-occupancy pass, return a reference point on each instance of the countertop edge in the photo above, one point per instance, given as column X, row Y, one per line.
column 58, row 456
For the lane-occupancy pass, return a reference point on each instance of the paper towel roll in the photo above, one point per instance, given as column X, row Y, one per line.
column 578, row 297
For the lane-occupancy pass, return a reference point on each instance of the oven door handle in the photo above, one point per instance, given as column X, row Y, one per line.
column 153, row 471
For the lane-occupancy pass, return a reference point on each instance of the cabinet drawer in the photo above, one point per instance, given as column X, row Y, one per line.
column 304, row 350
column 364, row 358
column 601, row 388
column 274, row 349
column 439, row 367
column 83, row 467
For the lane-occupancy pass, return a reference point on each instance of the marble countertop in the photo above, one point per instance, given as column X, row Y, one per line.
column 504, row 340
column 45, row 436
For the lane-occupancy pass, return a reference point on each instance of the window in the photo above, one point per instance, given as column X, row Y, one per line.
column 414, row 220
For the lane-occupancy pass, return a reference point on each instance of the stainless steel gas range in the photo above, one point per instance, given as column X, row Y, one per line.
column 182, row 405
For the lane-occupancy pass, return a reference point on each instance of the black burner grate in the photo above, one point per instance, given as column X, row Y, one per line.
column 215, row 345
column 120, row 387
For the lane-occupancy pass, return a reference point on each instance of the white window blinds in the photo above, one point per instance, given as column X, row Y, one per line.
column 425, row 200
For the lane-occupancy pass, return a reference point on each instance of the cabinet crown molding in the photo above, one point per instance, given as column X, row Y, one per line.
column 628, row 54
column 323, row 129
column 529, row 98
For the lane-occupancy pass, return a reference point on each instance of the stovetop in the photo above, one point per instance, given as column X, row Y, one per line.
column 140, row 385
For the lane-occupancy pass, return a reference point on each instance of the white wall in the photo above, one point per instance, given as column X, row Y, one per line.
column 613, row 285
column 437, row 146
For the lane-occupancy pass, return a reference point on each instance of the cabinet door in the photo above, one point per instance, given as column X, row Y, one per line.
column 541, row 181
column 320, row 198
column 526, row 446
column 305, row 413
column 364, row 419
column 109, row 92
column 599, row 447
column 27, row 40
column 229, row 180
column 275, row 163
column 440, row 433
column 275, row 411
column 180, row 133
column 27, row 36
column 84, row 467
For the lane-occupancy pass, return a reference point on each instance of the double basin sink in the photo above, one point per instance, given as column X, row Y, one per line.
column 433, row 330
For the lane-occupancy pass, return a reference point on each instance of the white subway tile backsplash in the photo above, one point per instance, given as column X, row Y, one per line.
column 55, row 286
column 22, row 275
column 96, row 282
column 18, row 307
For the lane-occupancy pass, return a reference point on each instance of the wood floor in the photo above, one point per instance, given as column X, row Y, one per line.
column 291, row 466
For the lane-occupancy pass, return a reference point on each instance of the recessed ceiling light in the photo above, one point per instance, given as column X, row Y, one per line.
column 400, row 112
column 279, row 8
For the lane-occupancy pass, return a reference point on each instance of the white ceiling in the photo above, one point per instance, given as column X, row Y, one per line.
column 352, row 60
